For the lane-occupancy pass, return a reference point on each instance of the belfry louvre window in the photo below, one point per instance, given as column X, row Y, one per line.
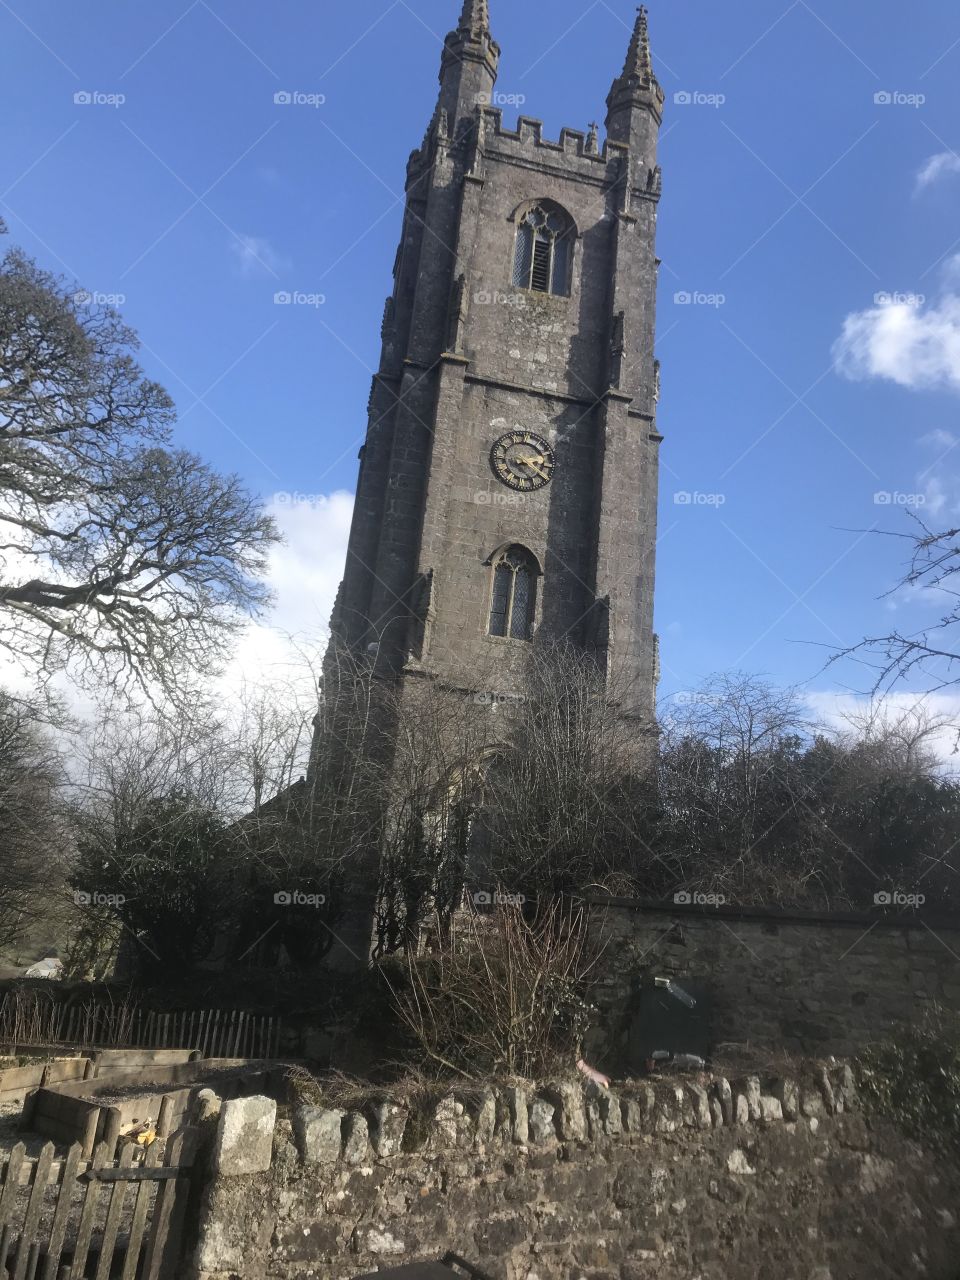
column 514, row 600
column 542, row 257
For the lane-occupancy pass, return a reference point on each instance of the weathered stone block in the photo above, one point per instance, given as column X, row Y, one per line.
column 356, row 1139
column 770, row 1109
column 541, row 1126
column 787, row 1092
column 610, row 1115
column 244, row 1139
column 567, row 1097
column 724, row 1094
column 632, row 1115
column 518, row 1103
column 701, row 1106
column 317, row 1132
column 389, row 1123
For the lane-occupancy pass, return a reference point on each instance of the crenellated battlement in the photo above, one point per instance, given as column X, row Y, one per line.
column 572, row 144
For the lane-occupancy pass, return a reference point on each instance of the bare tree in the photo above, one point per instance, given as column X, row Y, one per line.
column 759, row 805
column 930, row 653
column 133, row 560
column 565, row 791
column 35, row 842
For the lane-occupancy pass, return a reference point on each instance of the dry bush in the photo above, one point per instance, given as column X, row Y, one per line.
column 502, row 995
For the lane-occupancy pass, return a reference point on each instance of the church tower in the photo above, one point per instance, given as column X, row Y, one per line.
column 508, row 483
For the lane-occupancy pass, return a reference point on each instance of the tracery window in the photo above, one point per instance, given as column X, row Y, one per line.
column 514, row 598
column 544, row 249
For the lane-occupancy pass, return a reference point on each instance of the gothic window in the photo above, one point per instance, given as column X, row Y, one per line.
column 514, row 598
column 544, row 249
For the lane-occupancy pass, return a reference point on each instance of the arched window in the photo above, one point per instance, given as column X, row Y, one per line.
column 514, row 599
column 544, row 249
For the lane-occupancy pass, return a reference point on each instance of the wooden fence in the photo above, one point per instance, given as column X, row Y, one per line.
column 216, row 1033
column 63, row 1219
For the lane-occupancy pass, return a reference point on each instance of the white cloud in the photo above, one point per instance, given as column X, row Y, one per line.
column 304, row 574
column 256, row 256
column 839, row 711
column 914, row 345
column 940, row 439
column 937, row 167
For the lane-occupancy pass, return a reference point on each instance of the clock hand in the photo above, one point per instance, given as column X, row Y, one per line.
column 528, row 460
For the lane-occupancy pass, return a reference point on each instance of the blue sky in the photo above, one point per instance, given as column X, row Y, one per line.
column 789, row 191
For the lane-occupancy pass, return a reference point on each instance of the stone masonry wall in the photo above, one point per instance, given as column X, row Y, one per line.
column 800, row 984
column 698, row 1180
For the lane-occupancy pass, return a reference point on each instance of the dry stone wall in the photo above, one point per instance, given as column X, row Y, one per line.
column 697, row 1179
column 784, row 982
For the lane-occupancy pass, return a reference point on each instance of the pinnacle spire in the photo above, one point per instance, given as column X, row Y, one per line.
column 639, row 61
column 475, row 17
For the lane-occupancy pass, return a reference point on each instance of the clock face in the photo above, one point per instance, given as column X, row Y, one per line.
column 523, row 460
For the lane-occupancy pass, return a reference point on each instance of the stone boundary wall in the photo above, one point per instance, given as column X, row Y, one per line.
column 805, row 984
column 686, row 1179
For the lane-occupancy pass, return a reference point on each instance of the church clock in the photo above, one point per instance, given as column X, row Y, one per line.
column 523, row 461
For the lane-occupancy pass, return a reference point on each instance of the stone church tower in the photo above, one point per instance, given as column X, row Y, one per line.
column 508, row 484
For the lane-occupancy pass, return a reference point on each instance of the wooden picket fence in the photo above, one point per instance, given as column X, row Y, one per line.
column 63, row 1219
column 216, row 1033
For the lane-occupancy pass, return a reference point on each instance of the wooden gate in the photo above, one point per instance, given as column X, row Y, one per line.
column 99, row 1219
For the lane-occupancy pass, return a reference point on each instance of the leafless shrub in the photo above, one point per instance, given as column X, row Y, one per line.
column 500, row 995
